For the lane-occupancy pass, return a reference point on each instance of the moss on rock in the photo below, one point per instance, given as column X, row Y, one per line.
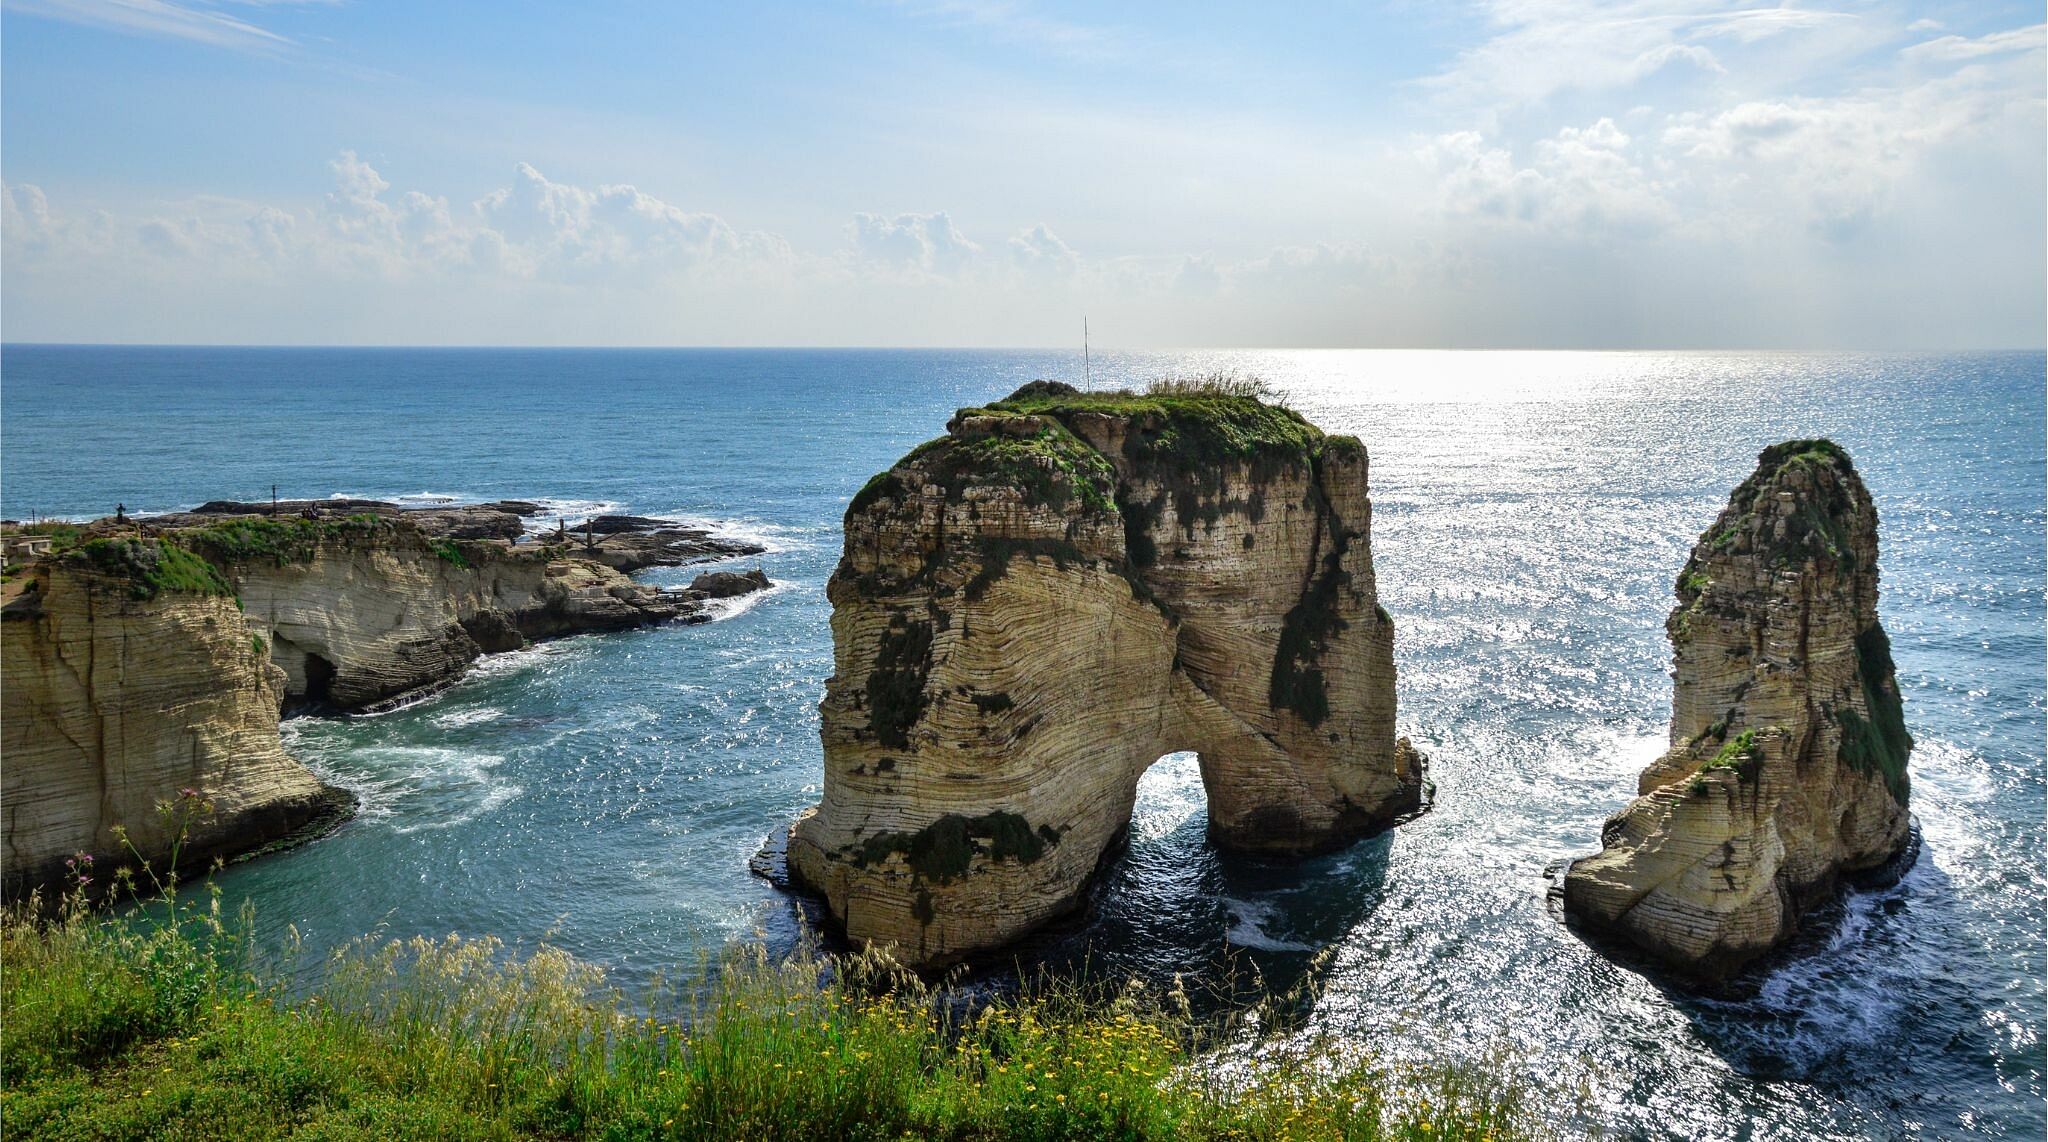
column 1882, row 743
column 944, row 850
column 895, row 689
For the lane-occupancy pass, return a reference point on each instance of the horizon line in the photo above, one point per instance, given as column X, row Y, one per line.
column 1076, row 350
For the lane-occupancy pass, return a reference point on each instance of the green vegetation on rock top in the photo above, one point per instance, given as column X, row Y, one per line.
column 1196, row 426
column 1738, row 755
column 1819, row 450
column 1816, row 526
column 290, row 540
column 151, row 567
column 1055, row 466
column 1050, row 465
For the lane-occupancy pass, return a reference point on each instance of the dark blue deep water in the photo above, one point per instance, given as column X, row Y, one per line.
column 1531, row 513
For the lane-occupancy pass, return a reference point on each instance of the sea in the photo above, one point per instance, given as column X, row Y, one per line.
column 604, row 793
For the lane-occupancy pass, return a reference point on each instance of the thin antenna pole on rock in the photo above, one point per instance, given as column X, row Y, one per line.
column 1087, row 369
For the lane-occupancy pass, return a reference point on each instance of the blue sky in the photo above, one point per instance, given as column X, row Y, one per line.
column 1647, row 173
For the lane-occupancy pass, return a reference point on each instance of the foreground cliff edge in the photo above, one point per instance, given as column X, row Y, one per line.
column 1034, row 608
column 150, row 657
column 121, row 686
column 1787, row 768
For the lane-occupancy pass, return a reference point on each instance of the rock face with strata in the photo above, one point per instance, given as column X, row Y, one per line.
column 366, row 610
column 117, row 694
column 1787, row 767
column 1034, row 608
column 150, row 658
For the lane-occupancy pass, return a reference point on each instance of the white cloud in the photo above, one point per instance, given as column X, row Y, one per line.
column 1585, row 182
column 926, row 243
column 1040, row 251
column 1539, row 50
column 1950, row 49
column 1712, row 225
column 1752, row 24
column 158, row 18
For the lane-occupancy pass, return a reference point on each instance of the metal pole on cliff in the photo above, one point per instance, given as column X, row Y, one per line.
column 273, row 499
column 1087, row 369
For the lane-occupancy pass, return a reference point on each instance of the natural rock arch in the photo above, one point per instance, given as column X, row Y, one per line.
column 1035, row 608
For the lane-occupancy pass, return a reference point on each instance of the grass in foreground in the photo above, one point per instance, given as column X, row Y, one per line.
column 153, row 1026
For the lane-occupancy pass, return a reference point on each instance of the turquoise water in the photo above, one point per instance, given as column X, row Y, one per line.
column 1531, row 511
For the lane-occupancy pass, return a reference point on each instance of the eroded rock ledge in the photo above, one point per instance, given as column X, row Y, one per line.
column 146, row 657
column 1034, row 608
column 1787, row 768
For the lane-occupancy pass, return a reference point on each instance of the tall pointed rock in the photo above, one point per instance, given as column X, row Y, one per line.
column 1787, row 767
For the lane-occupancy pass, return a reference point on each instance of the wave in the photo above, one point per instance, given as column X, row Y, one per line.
column 416, row 787
column 719, row 610
column 1247, row 929
column 774, row 538
column 456, row 719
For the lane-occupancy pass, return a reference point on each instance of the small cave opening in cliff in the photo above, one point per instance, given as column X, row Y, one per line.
column 319, row 681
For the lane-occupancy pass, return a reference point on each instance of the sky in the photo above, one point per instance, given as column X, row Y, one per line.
column 1490, row 174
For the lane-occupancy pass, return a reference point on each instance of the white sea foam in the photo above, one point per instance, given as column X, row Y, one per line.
column 718, row 610
column 1247, row 929
column 455, row 719
column 441, row 786
column 530, row 657
column 433, row 499
column 775, row 538
column 567, row 513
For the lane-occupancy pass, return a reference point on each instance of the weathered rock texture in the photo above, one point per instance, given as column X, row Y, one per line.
column 145, row 660
column 367, row 610
column 1787, row 769
column 124, row 682
column 1033, row 609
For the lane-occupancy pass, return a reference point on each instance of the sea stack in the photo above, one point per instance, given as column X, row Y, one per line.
column 1787, row 767
column 1035, row 607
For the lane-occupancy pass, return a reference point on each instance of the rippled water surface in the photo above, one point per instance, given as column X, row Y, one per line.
column 1531, row 511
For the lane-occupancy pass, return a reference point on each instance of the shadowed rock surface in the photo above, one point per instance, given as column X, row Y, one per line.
column 1787, row 769
column 1034, row 608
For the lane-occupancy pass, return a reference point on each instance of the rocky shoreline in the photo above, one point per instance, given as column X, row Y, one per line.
column 143, row 657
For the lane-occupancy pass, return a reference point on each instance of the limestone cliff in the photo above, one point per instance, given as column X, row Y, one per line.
column 1787, row 768
column 127, row 674
column 363, row 610
column 147, row 659
column 1034, row 608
